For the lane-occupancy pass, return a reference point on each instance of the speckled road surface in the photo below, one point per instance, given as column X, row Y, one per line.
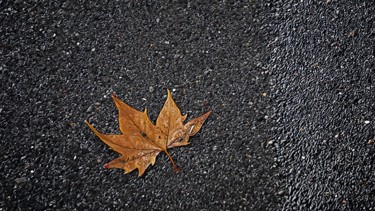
column 323, row 74
column 291, row 84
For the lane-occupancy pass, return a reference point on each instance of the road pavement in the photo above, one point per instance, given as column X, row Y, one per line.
column 290, row 84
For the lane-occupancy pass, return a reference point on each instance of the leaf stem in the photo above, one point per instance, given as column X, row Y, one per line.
column 176, row 169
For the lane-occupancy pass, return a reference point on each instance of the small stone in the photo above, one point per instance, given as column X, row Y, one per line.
column 270, row 142
column 281, row 192
column 21, row 180
column 72, row 124
column 89, row 109
column 151, row 89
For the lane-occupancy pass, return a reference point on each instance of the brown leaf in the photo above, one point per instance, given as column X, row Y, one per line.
column 141, row 141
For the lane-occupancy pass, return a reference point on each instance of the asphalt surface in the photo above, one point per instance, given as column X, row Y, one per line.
column 291, row 85
column 323, row 79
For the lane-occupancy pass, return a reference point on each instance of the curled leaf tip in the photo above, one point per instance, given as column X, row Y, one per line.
column 169, row 92
column 88, row 124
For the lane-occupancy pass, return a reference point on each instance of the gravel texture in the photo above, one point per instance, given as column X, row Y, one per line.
column 61, row 63
column 291, row 84
column 323, row 94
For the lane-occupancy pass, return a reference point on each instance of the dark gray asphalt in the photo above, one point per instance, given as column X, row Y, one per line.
column 323, row 79
column 291, row 85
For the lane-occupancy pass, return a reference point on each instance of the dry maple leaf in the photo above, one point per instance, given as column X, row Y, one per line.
column 141, row 141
